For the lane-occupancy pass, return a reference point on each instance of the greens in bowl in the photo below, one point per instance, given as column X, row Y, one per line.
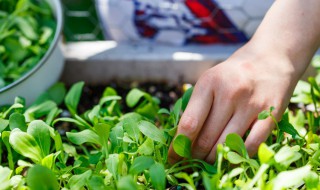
column 27, row 28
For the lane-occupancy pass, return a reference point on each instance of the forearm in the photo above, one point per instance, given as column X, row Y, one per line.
column 291, row 28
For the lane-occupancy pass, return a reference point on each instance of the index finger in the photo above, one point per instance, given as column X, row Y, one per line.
column 195, row 114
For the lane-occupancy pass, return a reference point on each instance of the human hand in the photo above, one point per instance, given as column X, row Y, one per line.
column 228, row 98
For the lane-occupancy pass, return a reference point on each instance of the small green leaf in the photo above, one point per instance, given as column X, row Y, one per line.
column 176, row 111
column 186, row 97
column 48, row 161
column 182, row 146
column 71, row 120
column 84, row 136
column 5, row 174
column 235, row 158
column 108, row 99
column 127, row 183
column 3, row 124
column 265, row 153
column 76, row 182
column 112, row 164
column 97, row 183
column 130, row 125
column 164, row 111
column 73, row 97
column 39, row 110
column 41, row 134
column 312, row 180
column 286, row 156
column 235, row 143
column 41, row 178
column 264, row 115
column 109, row 91
column 147, row 148
column 287, row 179
column 285, row 126
column 103, row 131
column 140, row 164
column 151, row 131
column 57, row 92
column 17, row 120
column 25, row 144
column 26, row 28
column 134, row 96
column 158, row 176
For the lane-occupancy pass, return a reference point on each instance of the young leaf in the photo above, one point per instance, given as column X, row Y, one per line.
column 25, row 144
column 285, row 126
column 57, row 92
column 312, row 180
column 264, row 115
column 103, row 131
column 97, row 183
column 130, row 125
column 73, row 97
column 5, row 174
column 17, row 120
column 140, row 164
column 71, row 120
column 287, row 179
column 151, row 131
column 182, row 146
column 133, row 97
column 40, row 110
column 84, row 136
column 164, row 111
column 127, row 183
column 176, row 111
column 235, row 158
column 158, row 176
column 286, row 156
column 235, row 143
column 112, row 164
column 41, row 134
column 3, row 124
column 40, row 177
column 265, row 153
column 186, row 97
column 78, row 181
column 147, row 148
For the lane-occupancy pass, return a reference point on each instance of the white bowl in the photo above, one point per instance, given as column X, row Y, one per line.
column 45, row 73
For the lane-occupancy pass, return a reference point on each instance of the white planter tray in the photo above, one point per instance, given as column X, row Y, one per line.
column 101, row 61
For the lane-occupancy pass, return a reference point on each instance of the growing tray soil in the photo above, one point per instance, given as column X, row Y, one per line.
column 166, row 93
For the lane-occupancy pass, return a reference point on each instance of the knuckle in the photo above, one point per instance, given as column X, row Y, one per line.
column 206, row 78
column 203, row 144
column 188, row 124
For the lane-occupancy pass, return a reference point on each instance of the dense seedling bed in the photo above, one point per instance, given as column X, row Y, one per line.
column 121, row 141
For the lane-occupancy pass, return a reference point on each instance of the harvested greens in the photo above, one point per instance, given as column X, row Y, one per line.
column 26, row 32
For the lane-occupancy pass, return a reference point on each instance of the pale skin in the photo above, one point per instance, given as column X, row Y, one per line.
column 263, row 73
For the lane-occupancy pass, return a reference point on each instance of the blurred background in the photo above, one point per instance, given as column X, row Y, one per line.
column 80, row 21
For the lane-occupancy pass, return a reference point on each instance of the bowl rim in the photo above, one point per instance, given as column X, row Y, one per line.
column 52, row 47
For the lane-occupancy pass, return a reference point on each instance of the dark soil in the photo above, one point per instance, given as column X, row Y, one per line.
column 167, row 94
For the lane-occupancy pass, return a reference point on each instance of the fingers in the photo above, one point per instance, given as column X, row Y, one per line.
column 218, row 118
column 239, row 124
column 259, row 133
column 196, row 112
